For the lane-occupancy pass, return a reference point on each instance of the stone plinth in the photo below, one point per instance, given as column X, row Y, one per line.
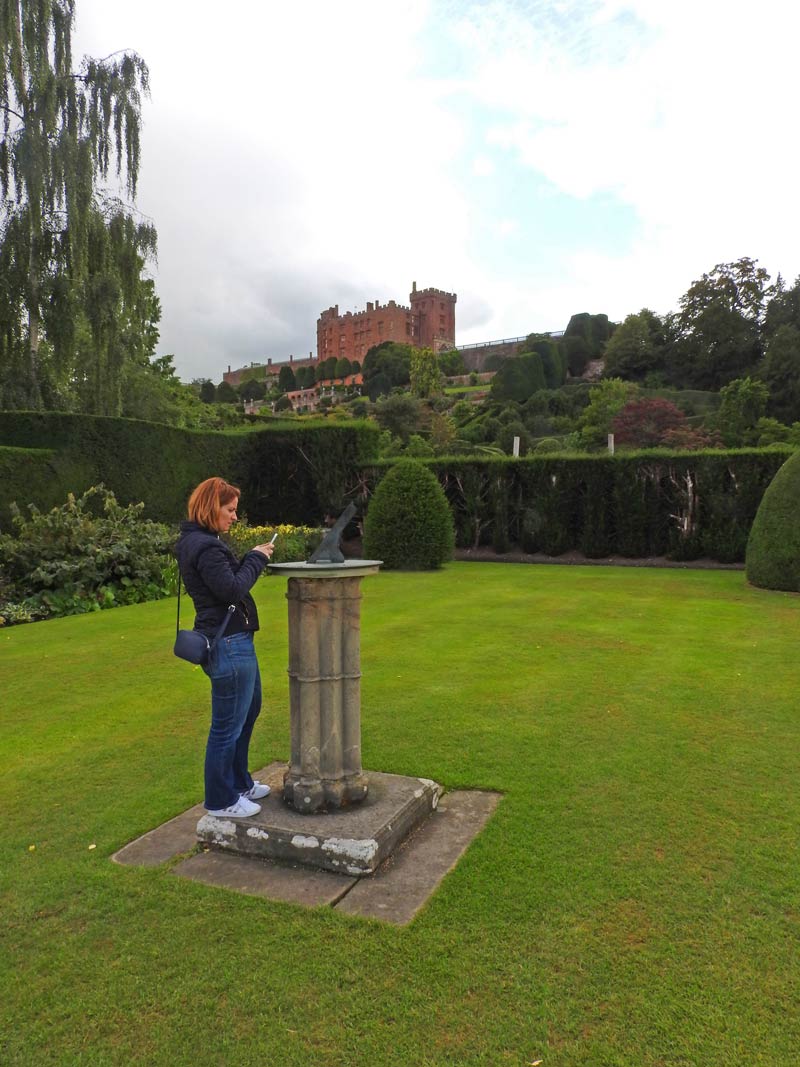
column 325, row 772
column 352, row 841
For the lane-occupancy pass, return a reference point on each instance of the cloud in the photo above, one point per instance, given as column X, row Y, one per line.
column 299, row 156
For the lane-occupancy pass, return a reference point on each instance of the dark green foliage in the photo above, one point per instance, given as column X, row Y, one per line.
column 773, row 549
column 742, row 404
column 287, row 473
column 88, row 554
column 326, row 369
column 717, row 334
column 385, row 366
column 400, row 414
column 584, row 339
column 519, row 378
column 553, row 363
column 305, row 377
column 780, row 371
column 678, row 504
column 75, row 308
column 637, row 348
column 451, row 363
column 286, row 379
column 252, row 389
column 343, row 368
column 226, row 394
column 208, row 392
column 408, row 523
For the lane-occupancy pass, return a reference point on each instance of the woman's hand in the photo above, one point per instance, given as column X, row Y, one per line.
column 265, row 550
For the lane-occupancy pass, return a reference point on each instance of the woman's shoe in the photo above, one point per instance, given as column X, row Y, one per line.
column 257, row 791
column 242, row 809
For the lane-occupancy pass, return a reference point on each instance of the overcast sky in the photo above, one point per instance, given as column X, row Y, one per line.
column 537, row 157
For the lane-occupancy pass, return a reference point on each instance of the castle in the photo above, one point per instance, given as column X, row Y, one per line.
column 429, row 322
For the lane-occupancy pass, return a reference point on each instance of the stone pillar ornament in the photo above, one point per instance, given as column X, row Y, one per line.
column 324, row 597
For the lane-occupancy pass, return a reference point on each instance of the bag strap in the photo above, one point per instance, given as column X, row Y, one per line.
column 225, row 621
column 224, row 626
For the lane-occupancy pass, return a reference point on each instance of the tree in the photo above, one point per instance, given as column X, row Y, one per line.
column 451, row 363
column 443, row 432
column 554, row 363
column 743, row 403
column 519, row 378
column 584, row 340
column 208, row 393
column 400, row 414
column 252, row 389
column 424, row 373
column 636, row 348
column 343, row 368
column 226, row 394
column 783, row 309
column 780, row 371
column 719, row 326
column 643, row 423
column 304, row 377
column 386, row 365
column 326, row 369
column 409, row 524
column 63, row 133
column 286, row 379
column 605, row 400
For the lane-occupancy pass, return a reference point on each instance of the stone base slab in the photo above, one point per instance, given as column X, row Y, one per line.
column 394, row 893
column 353, row 841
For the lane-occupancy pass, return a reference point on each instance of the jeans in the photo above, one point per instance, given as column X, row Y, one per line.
column 235, row 706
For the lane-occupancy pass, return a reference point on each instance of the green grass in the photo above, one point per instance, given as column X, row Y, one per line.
column 635, row 900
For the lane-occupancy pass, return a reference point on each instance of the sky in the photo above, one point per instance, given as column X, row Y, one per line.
column 537, row 157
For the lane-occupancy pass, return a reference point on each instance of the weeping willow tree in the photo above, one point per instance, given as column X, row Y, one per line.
column 71, row 254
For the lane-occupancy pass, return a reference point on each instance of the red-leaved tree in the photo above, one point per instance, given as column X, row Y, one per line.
column 643, row 423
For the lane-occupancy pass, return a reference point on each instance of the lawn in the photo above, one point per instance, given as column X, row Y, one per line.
column 635, row 899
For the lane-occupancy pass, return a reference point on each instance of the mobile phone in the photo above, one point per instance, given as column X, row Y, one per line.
column 274, row 538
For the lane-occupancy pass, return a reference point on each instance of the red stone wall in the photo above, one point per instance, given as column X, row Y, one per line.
column 350, row 336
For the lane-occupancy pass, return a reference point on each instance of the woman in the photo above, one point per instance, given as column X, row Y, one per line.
column 215, row 579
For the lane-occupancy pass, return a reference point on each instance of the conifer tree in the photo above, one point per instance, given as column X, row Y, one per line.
column 70, row 253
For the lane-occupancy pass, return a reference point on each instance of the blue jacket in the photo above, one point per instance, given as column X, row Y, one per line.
column 214, row 578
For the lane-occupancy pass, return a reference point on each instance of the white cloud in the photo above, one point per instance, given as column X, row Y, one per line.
column 297, row 156
column 687, row 119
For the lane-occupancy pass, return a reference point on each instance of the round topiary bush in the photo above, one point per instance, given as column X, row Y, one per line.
column 409, row 524
column 773, row 548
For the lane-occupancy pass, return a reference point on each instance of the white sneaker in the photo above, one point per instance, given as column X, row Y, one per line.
column 242, row 809
column 257, row 791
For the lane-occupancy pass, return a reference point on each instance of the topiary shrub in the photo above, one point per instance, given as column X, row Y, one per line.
column 409, row 524
column 773, row 548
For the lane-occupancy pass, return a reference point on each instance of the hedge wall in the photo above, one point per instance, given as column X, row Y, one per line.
column 288, row 473
column 684, row 505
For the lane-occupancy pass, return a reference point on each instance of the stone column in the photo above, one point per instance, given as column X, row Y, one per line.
column 324, row 684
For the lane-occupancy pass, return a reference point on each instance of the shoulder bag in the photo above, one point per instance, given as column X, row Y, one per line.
column 193, row 646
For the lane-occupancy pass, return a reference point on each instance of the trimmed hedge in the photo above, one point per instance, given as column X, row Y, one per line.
column 409, row 524
column 773, row 551
column 683, row 505
column 294, row 473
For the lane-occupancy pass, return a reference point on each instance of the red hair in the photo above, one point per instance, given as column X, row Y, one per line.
column 208, row 499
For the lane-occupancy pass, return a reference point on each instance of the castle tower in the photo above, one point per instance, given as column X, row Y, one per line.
column 433, row 314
